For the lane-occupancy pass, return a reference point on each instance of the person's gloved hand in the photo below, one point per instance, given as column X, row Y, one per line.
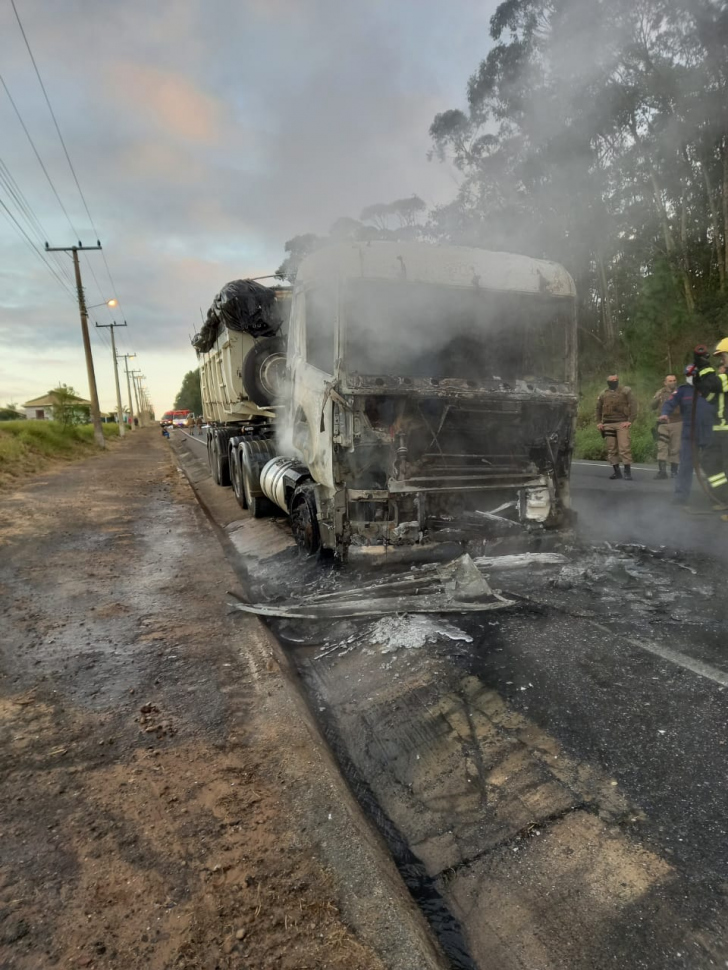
column 701, row 357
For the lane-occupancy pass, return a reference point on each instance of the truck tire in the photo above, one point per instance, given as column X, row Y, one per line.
column 221, row 461
column 212, row 446
column 254, row 453
column 236, row 476
column 263, row 361
column 304, row 521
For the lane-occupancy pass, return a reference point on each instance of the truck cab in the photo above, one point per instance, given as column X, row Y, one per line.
column 429, row 397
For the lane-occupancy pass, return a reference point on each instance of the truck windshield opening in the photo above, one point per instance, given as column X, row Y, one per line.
column 421, row 330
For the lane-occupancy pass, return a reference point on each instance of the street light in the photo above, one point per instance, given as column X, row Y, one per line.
column 112, row 302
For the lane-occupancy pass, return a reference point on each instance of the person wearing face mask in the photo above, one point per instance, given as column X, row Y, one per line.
column 712, row 382
column 681, row 402
column 669, row 432
column 616, row 411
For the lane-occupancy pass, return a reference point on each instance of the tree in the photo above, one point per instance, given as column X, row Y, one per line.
column 68, row 408
column 11, row 412
column 189, row 397
column 398, row 220
column 596, row 134
column 296, row 248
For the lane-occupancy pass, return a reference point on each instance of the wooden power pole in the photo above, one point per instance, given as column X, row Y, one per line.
column 119, row 412
column 126, row 358
column 93, row 394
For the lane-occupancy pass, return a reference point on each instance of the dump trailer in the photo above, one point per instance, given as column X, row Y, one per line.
column 422, row 396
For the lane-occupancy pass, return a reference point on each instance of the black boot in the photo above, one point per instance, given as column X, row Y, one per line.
column 673, row 470
column 662, row 469
column 616, row 473
column 628, row 473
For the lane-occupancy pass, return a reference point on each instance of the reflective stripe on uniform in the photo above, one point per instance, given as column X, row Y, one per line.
column 715, row 481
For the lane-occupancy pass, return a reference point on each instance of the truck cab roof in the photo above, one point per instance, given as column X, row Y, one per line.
column 459, row 266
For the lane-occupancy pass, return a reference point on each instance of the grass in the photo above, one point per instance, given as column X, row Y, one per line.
column 27, row 446
column 589, row 442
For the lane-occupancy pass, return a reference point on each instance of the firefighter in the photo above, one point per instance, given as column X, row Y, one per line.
column 682, row 402
column 712, row 383
column 669, row 432
column 616, row 411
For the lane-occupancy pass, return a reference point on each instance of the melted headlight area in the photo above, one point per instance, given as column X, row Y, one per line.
column 427, row 469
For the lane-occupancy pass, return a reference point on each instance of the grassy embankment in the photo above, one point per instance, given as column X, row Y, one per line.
column 589, row 442
column 28, row 446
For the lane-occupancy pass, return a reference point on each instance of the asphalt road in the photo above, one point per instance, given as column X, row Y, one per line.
column 557, row 771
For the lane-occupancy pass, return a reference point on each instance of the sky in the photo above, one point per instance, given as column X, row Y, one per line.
column 204, row 134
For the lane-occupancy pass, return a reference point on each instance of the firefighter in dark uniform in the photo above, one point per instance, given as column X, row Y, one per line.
column 616, row 411
column 712, row 383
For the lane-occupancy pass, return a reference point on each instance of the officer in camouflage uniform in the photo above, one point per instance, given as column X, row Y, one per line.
column 616, row 411
column 669, row 433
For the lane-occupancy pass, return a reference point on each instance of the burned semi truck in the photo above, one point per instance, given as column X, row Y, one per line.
column 423, row 395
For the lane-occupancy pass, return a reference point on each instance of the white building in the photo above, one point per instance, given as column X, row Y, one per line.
column 41, row 408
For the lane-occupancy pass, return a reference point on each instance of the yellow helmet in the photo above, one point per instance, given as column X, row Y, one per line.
column 722, row 347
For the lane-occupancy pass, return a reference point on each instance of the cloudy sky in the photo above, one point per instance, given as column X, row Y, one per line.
column 204, row 133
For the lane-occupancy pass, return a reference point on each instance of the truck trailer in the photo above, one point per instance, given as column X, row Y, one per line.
column 398, row 396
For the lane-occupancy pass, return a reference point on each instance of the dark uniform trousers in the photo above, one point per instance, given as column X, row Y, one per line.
column 715, row 457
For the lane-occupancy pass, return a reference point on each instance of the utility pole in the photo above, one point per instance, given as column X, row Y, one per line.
column 128, row 389
column 143, row 397
column 119, row 412
column 93, row 394
column 136, row 395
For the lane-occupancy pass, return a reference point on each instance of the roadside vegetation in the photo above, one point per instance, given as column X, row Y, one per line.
column 28, row 446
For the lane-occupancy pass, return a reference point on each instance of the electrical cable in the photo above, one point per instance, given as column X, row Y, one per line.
column 66, row 153
column 53, row 116
column 37, row 155
column 32, row 221
column 9, row 215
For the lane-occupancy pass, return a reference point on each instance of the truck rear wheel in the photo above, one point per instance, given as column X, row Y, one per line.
column 257, row 505
column 211, row 460
column 254, row 453
column 304, row 521
column 236, row 476
column 219, row 463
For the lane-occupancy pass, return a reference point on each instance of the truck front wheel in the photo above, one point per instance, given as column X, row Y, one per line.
column 304, row 521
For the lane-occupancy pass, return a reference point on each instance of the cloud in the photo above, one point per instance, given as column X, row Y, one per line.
column 173, row 104
column 204, row 136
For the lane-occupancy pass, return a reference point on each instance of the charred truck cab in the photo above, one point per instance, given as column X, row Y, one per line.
column 428, row 396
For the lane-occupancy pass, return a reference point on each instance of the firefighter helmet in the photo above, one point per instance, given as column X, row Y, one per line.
column 722, row 347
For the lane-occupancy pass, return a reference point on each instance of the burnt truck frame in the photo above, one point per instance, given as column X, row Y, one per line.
column 426, row 396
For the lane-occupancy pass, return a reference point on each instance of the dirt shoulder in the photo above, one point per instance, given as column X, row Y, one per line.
column 163, row 803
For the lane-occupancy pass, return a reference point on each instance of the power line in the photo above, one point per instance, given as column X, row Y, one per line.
column 25, row 210
column 8, row 214
column 65, row 150
column 37, row 155
column 55, row 121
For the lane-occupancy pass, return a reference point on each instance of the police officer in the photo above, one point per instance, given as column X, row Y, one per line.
column 712, row 383
column 616, row 411
column 669, row 432
column 681, row 401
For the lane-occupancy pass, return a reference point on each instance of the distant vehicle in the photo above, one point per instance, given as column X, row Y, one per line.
column 177, row 419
